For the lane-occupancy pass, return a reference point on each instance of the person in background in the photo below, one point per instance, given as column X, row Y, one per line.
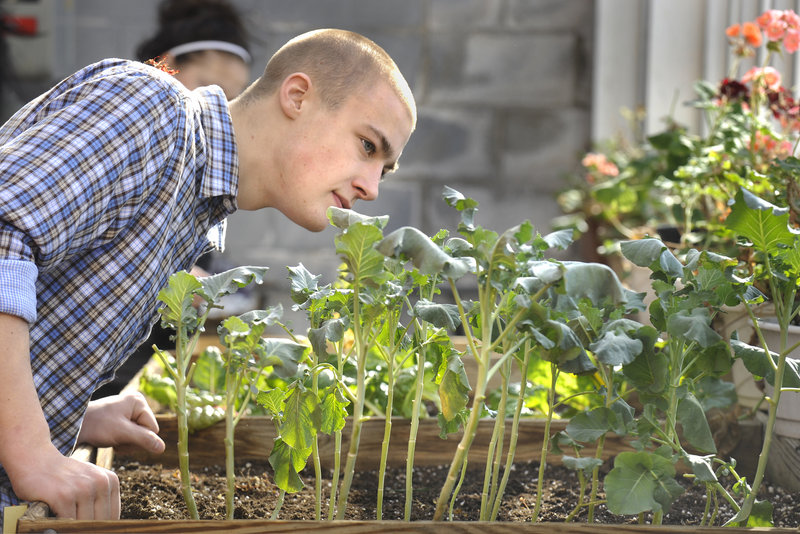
column 119, row 176
column 205, row 43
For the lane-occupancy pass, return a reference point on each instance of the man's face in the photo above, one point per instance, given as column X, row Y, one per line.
column 339, row 156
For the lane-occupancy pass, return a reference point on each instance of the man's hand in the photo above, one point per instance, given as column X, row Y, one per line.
column 121, row 420
column 71, row 488
column 36, row 469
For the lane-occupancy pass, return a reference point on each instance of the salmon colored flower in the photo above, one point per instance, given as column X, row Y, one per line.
column 768, row 17
column 791, row 41
column 792, row 19
column 752, row 34
column 770, row 76
column 775, row 30
column 734, row 30
column 598, row 162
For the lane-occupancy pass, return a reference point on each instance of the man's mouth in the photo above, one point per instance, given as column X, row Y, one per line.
column 343, row 203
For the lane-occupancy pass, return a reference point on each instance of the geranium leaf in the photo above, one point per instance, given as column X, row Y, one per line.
column 765, row 224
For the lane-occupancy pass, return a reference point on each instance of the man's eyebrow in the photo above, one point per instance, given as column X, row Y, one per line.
column 385, row 145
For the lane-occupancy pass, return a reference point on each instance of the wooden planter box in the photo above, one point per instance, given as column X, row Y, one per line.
column 252, row 433
column 254, row 436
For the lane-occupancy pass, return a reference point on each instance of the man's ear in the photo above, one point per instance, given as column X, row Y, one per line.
column 293, row 93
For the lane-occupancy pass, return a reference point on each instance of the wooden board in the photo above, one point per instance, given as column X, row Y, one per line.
column 254, row 526
column 255, row 435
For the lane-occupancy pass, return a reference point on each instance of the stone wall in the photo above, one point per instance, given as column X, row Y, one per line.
column 503, row 89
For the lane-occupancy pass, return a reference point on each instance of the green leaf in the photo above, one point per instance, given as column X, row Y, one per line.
column 466, row 206
column 272, row 401
column 641, row 482
column 590, row 426
column 616, row 347
column 439, row 315
column 178, row 297
column 333, row 410
column 702, row 467
column 755, row 360
column 652, row 253
column 203, row 416
column 263, row 317
column 760, row 516
column 693, row 325
column 695, row 425
column 344, row 218
column 559, row 239
column 648, row 371
column 586, row 465
column 216, row 286
column 409, row 242
column 301, row 418
column 282, row 354
column 593, row 281
column 209, row 372
column 454, row 387
column 286, row 463
column 159, row 388
column 302, row 283
column 765, row 224
column 331, row 330
column 356, row 244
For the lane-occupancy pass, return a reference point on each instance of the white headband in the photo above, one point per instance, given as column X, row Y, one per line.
column 223, row 46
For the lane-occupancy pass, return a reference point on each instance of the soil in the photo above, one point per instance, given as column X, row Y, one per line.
column 151, row 492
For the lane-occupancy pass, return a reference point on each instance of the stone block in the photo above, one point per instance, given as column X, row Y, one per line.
column 539, row 148
column 527, row 70
column 550, row 15
column 345, row 14
column 449, row 143
column 464, row 15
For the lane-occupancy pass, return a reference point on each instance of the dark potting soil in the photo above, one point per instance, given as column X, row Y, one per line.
column 152, row 492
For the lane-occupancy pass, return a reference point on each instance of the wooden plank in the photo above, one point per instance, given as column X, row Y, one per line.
column 255, row 435
column 255, row 526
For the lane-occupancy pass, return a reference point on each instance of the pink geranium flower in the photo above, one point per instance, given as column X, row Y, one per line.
column 770, row 75
column 791, row 41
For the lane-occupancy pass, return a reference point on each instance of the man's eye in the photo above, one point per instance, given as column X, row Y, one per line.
column 368, row 146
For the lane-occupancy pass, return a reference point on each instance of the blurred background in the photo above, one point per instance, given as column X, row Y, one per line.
column 511, row 93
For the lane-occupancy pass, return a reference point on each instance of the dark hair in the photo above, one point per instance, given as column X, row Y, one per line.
column 186, row 21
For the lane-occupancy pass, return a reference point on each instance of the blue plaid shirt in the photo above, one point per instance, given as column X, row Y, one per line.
column 109, row 182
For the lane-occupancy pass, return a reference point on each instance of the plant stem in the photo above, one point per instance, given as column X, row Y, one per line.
column 358, row 405
column 315, row 445
column 512, row 444
column 337, row 444
column 495, row 451
column 181, row 385
column 278, row 505
column 231, row 388
column 412, row 438
column 471, row 427
column 551, row 393
column 387, row 433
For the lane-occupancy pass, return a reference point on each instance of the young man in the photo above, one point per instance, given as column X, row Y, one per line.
column 118, row 177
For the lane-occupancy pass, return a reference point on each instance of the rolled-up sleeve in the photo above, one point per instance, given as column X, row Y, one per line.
column 18, row 288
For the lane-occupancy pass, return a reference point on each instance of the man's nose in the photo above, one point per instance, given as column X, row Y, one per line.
column 367, row 185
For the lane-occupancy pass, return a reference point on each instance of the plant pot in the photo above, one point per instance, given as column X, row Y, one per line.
column 784, row 455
